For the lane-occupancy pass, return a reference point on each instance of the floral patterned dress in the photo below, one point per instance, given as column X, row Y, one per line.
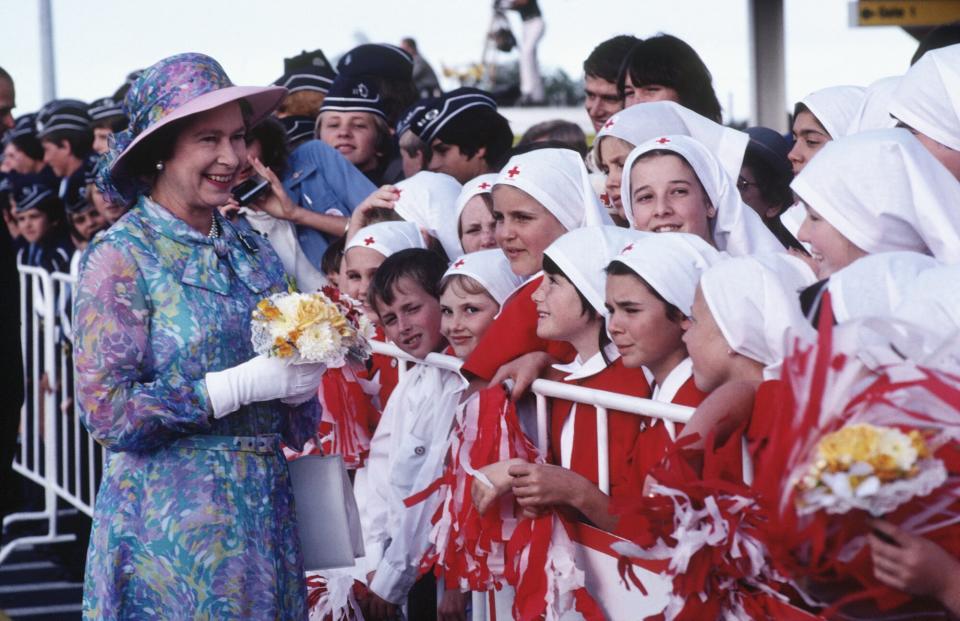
column 194, row 517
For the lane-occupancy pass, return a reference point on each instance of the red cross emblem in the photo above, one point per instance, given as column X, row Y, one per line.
column 369, row 241
column 483, row 186
column 610, row 123
column 458, row 264
column 663, row 140
column 513, row 172
column 605, row 198
column 627, row 248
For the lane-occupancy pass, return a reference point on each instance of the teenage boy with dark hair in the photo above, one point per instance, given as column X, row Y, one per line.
column 600, row 72
column 64, row 129
column 466, row 134
column 106, row 119
column 408, row 449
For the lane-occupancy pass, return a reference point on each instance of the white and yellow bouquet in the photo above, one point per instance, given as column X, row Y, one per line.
column 325, row 326
column 868, row 467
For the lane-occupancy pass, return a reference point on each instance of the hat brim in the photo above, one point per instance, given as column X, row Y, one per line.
column 262, row 101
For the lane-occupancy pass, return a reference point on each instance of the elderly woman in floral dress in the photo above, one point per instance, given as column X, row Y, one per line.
column 195, row 517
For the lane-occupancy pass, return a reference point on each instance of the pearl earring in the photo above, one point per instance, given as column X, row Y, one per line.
column 159, row 166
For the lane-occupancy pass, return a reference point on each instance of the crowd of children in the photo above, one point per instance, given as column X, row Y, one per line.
column 679, row 261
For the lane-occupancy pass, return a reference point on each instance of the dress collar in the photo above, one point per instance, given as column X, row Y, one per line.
column 578, row 369
column 675, row 380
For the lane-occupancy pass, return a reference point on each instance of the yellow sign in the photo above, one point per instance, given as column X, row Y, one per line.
column 907, row 12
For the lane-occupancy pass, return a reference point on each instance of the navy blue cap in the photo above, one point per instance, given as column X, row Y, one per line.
column 308, row 71
column 448, row 107
column 63, row 115
column 25, row 125
column 771, row 147
column 414, row 113
column 298, row 127
column 105, row 108
column 377, row 59
column 353, row 94
column 6, row 184
column 30, row 194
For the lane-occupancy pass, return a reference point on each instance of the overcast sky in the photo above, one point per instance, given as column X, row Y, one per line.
column 99, row 41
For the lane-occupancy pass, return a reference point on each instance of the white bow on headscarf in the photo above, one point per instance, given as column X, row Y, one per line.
column 835, row 107
column 928, row 96
column 646, row 121
column 388, row 238
column 671, row 263
column 883, row 191
column 491, row 269
column 429, row 199
column 754, row 303
column 737, row 228
column 558, row 180
column 583, row 255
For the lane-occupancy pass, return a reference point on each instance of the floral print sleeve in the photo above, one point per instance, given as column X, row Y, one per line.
column 127, row 403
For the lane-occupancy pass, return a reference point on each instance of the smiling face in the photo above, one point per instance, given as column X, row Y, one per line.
column 809, row 137
column 412, row 321
column 706, row 345
column 829, row 249
column 360, row 264
column 33, row 224
column 560, row 313
column 477, row 226
column 601, row 100
column 666, row 196
column 206, row 158
column 640, row 328
column 353, row 134
column 524, row 229
column 466, row 313
column 612, row 154
column 634, row 94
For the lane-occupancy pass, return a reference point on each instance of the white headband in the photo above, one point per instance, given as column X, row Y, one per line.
column 928, row 96
column 387, row 238
column 835, row 107
column 491, row 269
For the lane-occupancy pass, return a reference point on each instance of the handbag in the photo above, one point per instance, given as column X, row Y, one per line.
column 327, row 514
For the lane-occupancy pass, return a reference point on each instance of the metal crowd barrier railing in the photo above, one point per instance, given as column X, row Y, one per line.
column 57, row 453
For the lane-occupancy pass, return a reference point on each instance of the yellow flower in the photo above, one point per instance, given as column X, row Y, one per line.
column 268, row 311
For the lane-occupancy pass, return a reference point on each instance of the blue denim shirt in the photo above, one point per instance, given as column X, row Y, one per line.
column 320, row 179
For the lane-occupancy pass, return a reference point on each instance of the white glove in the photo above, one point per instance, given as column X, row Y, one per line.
column 262, row 379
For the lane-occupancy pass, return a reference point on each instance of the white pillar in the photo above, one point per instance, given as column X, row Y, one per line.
column 767, row 59
column 47, row 67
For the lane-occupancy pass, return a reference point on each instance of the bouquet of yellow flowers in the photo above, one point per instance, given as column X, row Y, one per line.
column 325, row 326
column 868, row 467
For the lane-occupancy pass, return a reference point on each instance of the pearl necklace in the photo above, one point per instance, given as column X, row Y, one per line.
column 214, row 229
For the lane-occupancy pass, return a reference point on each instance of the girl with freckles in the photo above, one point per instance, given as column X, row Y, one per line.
column 676, row 184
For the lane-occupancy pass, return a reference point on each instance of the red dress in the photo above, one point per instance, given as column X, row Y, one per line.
column 512, row 334
column 623, row 429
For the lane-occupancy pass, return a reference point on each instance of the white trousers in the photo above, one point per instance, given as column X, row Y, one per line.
column 531, row 82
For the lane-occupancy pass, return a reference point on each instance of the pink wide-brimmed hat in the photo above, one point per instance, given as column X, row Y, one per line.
column 175, row 88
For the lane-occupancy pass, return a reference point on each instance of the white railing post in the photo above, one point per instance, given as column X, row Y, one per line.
column 603, row 451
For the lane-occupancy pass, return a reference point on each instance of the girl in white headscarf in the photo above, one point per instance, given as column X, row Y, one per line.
column 674, row 183
column 429, row 200
column 927, row 101
column 745, row 314
column 474, row 214
column 873, row 192
column 538, row 196
column 646, row 121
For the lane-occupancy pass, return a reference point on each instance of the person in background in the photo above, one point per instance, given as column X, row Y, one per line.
column 531, row 82
column 83, row 221
column 601, row 70
column 353, row 121
column 466, row 134
column 106, row 118
column 22, row 151
column 665, row 68
column 559, row 132
column 8, row 101
column 424, row 77
column 63, row 127
column 307, row 77
column 40, row 220
column 764, row 181
column 476, row 227
column 415, row 154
